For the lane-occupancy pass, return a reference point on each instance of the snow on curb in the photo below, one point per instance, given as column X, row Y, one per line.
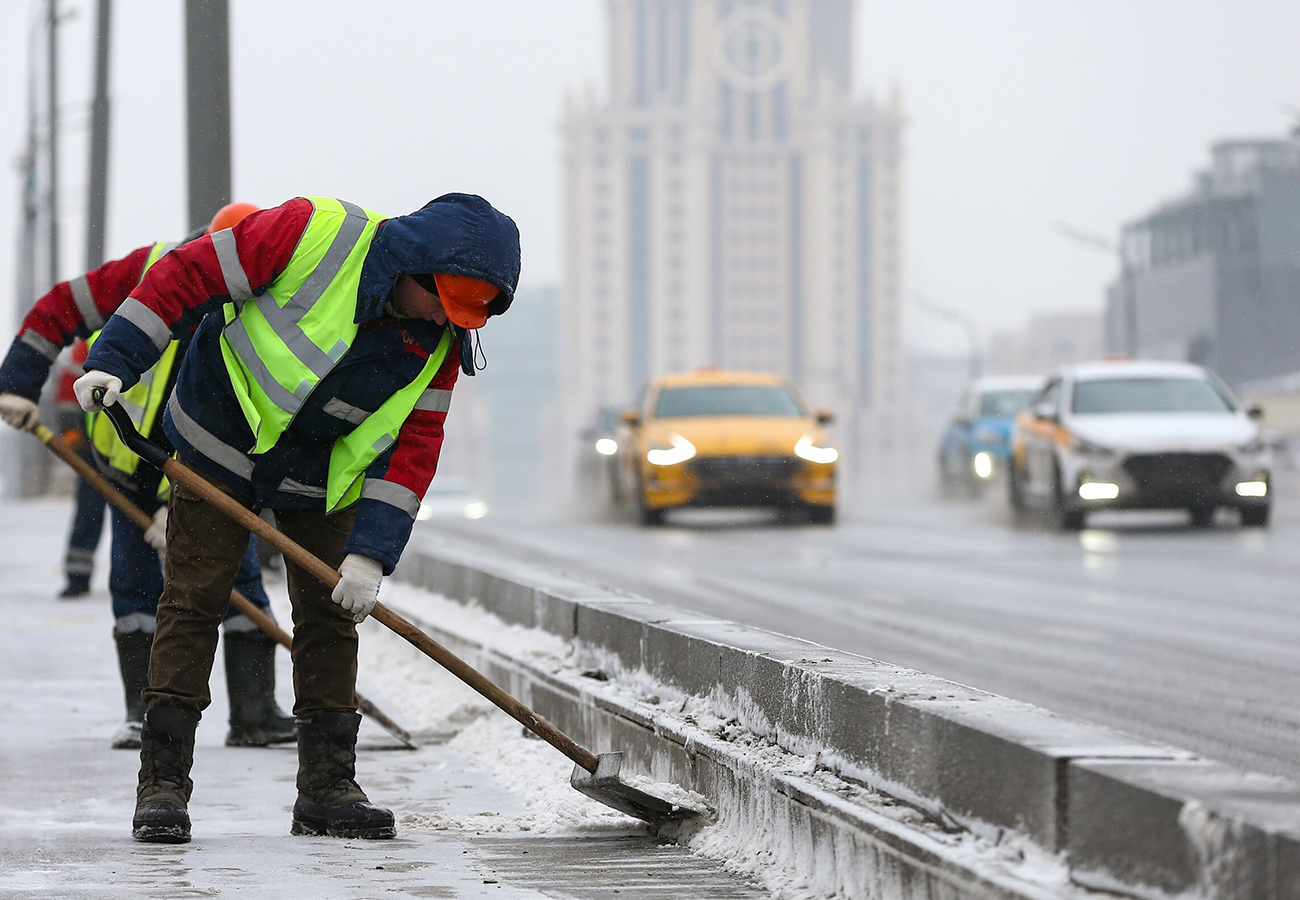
column 743, row 838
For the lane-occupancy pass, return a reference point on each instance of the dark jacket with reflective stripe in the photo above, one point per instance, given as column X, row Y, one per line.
column 455, row 233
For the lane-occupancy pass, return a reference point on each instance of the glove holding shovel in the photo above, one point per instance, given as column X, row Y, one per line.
column 595, row 776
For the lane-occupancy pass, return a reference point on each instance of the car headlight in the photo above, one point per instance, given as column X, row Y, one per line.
column 1088, row 448
column 677, row 450
column 1258, row 445
column 806, row 449
column 606, row 446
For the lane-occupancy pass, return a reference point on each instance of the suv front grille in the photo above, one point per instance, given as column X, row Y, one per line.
column 1157, row 472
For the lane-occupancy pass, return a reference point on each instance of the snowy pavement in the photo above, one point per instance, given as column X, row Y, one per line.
column 481, row 811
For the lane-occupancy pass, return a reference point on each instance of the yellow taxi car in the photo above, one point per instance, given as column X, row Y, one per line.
column 719, row 438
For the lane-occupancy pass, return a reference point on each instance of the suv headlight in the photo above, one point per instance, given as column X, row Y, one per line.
column 677, row 450
column 1088, row 448
column 1258, row 445
column 806, row 449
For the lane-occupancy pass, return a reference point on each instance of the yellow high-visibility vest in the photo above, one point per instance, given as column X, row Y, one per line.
column 142, row 402
column 279, row 344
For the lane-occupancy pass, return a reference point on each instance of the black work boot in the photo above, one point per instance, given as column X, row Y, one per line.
column 166, row 755
column 255, row 718
column 133, row 662
column 77, row 586
column 329, row 800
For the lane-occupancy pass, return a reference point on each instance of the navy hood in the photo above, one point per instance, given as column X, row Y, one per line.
column 456, row 234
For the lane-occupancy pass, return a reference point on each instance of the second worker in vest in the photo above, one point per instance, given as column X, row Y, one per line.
column 78, row 308
column 329, row 339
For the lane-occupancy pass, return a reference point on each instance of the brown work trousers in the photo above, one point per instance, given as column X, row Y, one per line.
column 204, row 548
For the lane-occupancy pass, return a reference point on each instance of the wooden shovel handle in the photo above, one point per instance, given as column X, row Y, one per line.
column 143, row 520
column 179, row 473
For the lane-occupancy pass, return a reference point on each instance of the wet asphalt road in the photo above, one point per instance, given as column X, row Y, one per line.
column 1139, row 622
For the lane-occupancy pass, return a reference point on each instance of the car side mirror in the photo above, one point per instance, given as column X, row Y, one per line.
column 630, row 417
column 825, row 417
column 962, row 419
column 1044, row 411
column 1255, row 412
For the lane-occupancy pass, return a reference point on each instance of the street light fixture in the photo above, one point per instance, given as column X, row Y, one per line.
column 1102, row 244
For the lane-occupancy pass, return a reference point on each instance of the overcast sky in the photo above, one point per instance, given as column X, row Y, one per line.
column 1021, row 113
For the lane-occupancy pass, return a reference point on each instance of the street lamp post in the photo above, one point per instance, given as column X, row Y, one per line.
column 1102, row 244
column 974, row 353
column 52, row 139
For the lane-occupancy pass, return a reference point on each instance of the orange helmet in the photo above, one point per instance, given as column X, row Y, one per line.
column 229, row 215
column 465, row 300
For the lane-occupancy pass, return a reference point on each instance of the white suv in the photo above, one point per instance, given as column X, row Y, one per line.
column 1139, row 435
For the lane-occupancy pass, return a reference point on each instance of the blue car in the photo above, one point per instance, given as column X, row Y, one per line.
column 974, row 447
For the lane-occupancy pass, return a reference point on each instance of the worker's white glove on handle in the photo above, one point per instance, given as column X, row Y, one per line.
column 84, row 388
column 17, row 411
column 156, row 534
column 358, row 586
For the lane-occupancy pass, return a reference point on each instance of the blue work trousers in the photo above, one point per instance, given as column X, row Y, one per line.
column 87, row 526
column 135, row 579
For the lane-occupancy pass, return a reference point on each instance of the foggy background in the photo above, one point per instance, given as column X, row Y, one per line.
column 1019, row 115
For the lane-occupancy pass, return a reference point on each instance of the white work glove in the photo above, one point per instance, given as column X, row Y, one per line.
column 17, row 411
column 358, row 586
column 156, row 533
column 84, row 388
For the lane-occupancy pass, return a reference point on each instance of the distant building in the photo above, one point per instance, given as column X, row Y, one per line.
column 1214, row 277
column 1047, row 341
column 731, row 203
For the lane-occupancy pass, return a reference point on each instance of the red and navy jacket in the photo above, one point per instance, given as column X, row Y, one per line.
column 69, row 370
column 70, row 310
column 457, row 233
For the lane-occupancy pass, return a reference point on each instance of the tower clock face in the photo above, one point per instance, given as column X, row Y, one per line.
column 754, row 50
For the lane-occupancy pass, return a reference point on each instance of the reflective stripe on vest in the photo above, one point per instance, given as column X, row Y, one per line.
column 144, row 399
column 278, row 345
column 353, row 453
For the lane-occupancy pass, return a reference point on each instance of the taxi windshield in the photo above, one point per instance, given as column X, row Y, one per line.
column 1004, row 404
column 727, row 400
column 1148, row 395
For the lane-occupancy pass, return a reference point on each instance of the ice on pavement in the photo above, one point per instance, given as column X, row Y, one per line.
column 482, row 809
column 742, row 840
column 439, row 703
column 484, row 813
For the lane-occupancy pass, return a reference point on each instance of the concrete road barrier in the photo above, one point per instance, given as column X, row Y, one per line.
column 917, row 760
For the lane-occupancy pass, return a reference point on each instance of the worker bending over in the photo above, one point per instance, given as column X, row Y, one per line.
column 328, row 341
column 78, row 308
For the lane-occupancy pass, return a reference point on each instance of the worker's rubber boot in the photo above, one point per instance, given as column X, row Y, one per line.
column 255, row 718
column 133, row 662
column 329, row 800
column 77, row 586
column 166, row 755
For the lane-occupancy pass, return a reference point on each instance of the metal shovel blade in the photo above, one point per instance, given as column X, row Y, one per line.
column 605, row 786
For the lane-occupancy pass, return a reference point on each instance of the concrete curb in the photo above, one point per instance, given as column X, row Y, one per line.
column 1127, row 816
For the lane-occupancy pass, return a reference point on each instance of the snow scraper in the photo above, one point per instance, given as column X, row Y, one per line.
column 595, row 776
column 142, row 519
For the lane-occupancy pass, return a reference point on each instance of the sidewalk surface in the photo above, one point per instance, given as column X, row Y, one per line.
column 481, row 812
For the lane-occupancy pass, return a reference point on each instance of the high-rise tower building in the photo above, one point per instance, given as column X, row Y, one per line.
column 732, row 203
